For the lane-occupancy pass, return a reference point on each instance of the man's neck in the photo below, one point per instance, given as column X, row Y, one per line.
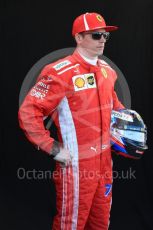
column 91, row 60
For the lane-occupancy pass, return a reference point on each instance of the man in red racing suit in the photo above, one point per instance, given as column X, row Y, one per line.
column 79, row 95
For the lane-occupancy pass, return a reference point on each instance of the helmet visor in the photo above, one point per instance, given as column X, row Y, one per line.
column 132, row 135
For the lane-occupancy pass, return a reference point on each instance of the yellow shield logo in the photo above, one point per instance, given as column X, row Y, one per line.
column 104, row 72
column 79, row 82
column 99, row 18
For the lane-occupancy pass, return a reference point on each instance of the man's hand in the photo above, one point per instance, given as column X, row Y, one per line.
column 61, row 154
column 64, row 157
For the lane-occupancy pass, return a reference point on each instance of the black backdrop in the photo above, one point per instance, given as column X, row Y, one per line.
column 30, row 30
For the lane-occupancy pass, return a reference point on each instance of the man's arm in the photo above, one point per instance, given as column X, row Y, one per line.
column 117, row 105
column 41, row 100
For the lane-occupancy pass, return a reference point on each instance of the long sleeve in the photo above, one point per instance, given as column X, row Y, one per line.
column 116, row 102
column 41, row 100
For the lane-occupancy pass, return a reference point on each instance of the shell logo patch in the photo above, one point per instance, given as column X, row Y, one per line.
column 79, row 82
column 104, row 72
column 99, row 18
column 85, row 81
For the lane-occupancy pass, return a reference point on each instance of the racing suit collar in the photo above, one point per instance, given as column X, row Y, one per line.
column 84, row 63
column 88, row 60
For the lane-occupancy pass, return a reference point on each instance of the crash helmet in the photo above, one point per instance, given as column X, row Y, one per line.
column 128, row 133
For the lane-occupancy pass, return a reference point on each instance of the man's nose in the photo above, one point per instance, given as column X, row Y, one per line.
column 103, row 39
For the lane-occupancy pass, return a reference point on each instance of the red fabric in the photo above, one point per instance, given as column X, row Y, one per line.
column 90, row 21
column 89, row 96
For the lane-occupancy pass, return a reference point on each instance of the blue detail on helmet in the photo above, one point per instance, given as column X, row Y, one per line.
column 118, row 148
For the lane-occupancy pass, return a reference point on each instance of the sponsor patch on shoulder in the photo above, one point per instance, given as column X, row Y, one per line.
column 61, row 65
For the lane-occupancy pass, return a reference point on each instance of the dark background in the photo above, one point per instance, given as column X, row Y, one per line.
column 31, row 30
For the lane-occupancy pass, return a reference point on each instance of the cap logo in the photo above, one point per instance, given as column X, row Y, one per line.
column 99, row 18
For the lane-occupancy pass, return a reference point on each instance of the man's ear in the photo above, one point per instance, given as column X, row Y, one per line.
column 78, row 38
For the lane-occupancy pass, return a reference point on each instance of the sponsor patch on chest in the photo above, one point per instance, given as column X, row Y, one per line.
column 85, row 81
column 61, row 65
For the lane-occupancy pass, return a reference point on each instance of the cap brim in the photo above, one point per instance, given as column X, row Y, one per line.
column 110, row 28
column 107, row 28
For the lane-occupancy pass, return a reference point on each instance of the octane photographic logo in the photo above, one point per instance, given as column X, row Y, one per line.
column 121, row 85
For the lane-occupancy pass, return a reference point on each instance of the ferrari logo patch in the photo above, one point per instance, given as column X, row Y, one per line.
column 104, row 72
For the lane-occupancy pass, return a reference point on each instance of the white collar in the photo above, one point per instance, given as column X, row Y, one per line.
column 90, row 61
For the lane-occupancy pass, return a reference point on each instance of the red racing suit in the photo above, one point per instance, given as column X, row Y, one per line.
column 80, row 97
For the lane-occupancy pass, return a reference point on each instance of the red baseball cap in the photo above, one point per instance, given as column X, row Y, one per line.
column 90, row 21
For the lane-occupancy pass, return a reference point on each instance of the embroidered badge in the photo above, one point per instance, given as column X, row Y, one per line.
column 61, row 65
column 104, row 72
column 79, row 82
column 85, row 81
column 99, row 18
column 90, row 79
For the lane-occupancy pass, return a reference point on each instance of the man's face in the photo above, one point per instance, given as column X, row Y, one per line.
column 92, row 46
